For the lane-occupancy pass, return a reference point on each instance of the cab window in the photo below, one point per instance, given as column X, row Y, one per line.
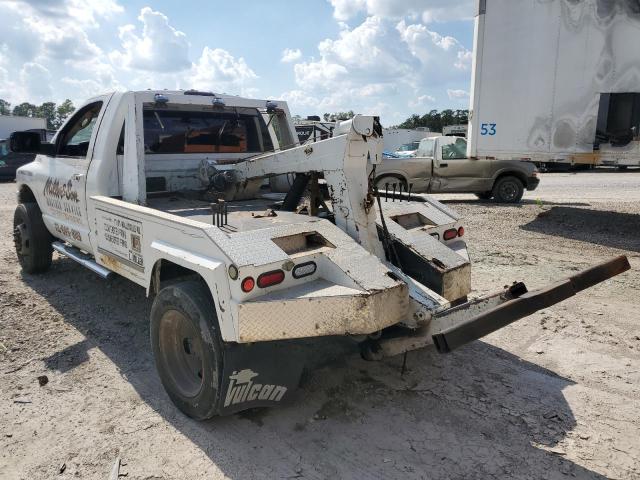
column 205, row 131
column 426, row 148
column 75, row 138
column 456, row 150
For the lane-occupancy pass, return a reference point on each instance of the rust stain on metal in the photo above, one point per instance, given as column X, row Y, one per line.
column 111, row 263
column 586, row 158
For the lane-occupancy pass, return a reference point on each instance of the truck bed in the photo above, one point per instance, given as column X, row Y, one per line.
column 243, row 215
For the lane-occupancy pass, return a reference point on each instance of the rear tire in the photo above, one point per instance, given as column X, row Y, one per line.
column 187, row 347
column 31, row 238
column 382, row 181
column 484, row 195
column 508, row 189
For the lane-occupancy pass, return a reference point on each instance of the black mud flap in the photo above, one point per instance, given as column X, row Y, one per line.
column 525, row 304
column 261, row 374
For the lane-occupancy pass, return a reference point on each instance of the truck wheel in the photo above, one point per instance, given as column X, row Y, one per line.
column 484, row 195
column 382, row 181
column 31, row 238
column 508, row 190
column 187, row 347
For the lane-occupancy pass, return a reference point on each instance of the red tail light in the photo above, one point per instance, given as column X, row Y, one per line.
column 461, row 231
column 269, row 279
column 450, row 234
column 247, row 284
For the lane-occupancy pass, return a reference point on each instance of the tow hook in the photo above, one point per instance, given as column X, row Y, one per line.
column 516, row 290
column 371, row 350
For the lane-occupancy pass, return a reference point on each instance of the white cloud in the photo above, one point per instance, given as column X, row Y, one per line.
column 431, row 11
column 421, row 101
column 85, row 12
column 465, row 58
column 380, row 62
column 160, row 55
column 217, row 69
column 345, row 9
column 457, row 94
column 370, row 50
column 318, row 74
column 37, row 80
column 62, row 42
column 160, row 47
column 45, row 40
column 430, row 46
column 290, row 55
column 299, row 98
column 386, row 58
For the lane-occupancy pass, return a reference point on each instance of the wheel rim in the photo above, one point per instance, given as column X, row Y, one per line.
column 381, row 184
column 508, row 191
column 181, row 352
column 21, row 239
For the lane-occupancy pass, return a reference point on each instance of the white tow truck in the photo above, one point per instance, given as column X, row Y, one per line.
column 167, row 190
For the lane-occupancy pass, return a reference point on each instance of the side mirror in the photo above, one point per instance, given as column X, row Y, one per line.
column 29, row 142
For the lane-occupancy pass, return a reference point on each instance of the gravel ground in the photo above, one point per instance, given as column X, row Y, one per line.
column 554, row 395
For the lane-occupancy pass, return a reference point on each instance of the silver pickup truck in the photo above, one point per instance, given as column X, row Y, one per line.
column 440, row 165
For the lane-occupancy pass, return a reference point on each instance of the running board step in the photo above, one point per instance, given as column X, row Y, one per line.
column 82, row 258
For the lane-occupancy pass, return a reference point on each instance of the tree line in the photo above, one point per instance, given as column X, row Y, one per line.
column 55, row 115
column 433, row 120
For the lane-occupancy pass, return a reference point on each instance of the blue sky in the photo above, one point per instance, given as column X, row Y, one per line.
column 389, row 57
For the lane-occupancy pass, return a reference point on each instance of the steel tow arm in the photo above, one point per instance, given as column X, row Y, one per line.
column 453, row 327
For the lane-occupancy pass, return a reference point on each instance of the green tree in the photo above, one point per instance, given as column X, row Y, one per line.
column 447, row 117
column 48, row 111
column 5, row 107
column 25, row 109
column 65, row 109
column 435, row 120
column 338, row 116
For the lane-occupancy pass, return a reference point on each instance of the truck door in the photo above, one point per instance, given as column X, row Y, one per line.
column 423, row 165
column 64, row 177
column 453, row 170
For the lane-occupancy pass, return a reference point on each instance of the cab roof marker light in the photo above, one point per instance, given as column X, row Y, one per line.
column 271, row 106
column 161, row 98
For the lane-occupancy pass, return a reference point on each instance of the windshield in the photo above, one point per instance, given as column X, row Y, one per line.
column 4, row 150
column 456, row 150
column 407, row 147
column 205, row 131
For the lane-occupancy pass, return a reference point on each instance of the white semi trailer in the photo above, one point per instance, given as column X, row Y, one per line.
column 14, row 123
column 556, row 81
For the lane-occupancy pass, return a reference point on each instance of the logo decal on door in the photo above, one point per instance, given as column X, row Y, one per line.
column 63, row 197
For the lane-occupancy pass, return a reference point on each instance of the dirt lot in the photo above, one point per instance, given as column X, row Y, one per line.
column 553, row 396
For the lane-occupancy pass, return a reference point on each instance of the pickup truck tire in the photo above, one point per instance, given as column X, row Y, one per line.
column 382, row 181
column 508, row 189
column 187, row 347
column 484, row 195
column 31, row 238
